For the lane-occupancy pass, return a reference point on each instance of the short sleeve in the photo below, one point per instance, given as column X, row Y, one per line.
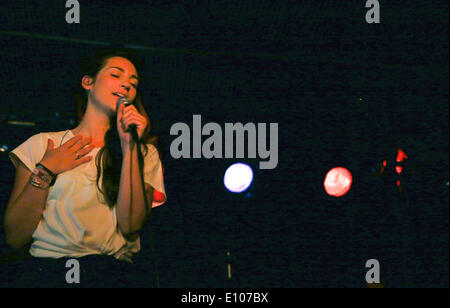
column 153, row 175
column 30, row 152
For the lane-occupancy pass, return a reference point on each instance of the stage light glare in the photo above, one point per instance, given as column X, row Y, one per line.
column 238, row 177
column 338, row 182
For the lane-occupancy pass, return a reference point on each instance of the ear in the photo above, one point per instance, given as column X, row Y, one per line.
column 87, row 82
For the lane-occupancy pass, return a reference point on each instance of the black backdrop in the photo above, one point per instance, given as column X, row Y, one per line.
column 304, row 65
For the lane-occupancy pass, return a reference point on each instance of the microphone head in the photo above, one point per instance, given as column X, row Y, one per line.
column 122, row 100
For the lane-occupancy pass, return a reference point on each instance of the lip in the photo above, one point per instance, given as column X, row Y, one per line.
column 120, row 94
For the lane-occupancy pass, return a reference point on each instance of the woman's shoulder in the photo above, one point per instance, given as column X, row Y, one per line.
column 151, row 152
column 32, row 150
column 151, row 147
column 57, row 136
column 41, row 137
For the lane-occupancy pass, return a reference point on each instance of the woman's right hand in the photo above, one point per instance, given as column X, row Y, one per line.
column 68, row 156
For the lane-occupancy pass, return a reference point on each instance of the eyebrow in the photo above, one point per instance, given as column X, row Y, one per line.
column 121, row 69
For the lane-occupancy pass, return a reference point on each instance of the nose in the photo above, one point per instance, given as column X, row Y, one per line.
column 126, row 87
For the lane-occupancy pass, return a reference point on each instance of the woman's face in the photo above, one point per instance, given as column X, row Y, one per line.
column 117, row 78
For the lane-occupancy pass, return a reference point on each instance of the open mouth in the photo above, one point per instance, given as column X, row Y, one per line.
column 119, row 94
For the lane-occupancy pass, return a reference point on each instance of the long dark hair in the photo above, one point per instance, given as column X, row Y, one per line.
column 111, row 152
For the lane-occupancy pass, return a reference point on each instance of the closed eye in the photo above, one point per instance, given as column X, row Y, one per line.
column 117, row 76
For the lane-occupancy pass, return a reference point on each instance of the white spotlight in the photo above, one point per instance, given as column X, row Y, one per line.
column 238, row 177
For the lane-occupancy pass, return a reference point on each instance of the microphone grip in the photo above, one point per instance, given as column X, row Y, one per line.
column 132, row 129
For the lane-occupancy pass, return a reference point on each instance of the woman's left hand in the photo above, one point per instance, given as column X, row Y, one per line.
column 125, row 117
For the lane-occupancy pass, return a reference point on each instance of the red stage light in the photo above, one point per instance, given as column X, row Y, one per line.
column 401, row 155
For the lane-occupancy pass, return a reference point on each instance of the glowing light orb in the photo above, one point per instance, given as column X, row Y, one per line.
column 238, row 177
column 338, row 182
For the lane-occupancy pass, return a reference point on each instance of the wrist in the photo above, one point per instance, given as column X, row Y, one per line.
column 45, row 174
column 48, row 167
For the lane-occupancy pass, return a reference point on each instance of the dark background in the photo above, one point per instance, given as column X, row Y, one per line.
column 302, row 64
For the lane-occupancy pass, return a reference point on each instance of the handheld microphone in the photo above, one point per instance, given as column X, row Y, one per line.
column 132, row 128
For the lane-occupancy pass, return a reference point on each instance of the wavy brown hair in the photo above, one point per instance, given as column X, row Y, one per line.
column 111, row 152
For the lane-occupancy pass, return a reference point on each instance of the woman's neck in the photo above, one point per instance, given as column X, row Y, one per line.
column 94, row 124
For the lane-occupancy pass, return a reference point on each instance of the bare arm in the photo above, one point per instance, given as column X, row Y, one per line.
column 24, row 209
column 131, row 212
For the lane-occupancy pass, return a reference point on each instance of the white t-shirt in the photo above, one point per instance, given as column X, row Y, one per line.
column 77, row 221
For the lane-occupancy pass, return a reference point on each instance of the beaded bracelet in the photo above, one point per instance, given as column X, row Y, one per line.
column 39, row 179
column 37, row 183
